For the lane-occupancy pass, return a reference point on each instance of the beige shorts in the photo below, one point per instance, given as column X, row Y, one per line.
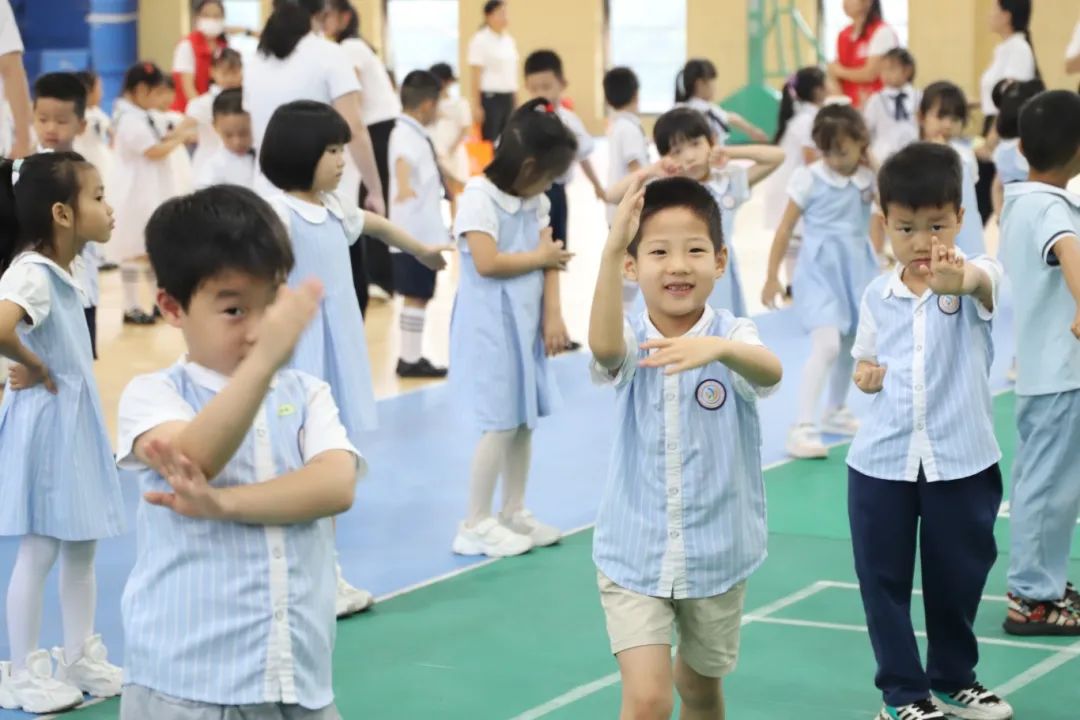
column 708, row 628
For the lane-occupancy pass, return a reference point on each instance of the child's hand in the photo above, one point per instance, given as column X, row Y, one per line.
column 555, row 336
column 627, row 220
column 718, row 157
column 682, row 353
column 24, row 377
column 945, row 276
column 285, row 320
column 433, row 258
column 772, row 290
column 192, row 495
column 869, row 377
column 550, row 251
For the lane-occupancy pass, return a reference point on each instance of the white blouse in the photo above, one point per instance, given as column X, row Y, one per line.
column 497, row 55
column 1013, row 59
column 379, row 100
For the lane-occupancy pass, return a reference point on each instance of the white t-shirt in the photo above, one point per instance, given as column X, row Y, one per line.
column 183, row 59
column 627, row 143
column 1074, row 44
column 207, row 141
column 497, row 54
column 455, row 115
column 585, row 143
column 379, row 101
column 797, row 137
column 882, row 41
column 10, row 41
column 1014, row 60
column 227, row 168
column 421, row 216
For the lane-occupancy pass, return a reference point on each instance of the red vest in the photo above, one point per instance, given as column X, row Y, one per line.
column 852, row 54
column 204, row 58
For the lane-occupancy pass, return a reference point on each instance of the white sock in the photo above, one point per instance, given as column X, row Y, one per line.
column 26, row 594
column 824, row 349
column 841, row 382
column 791, row 257
column 412, row 333
column 78, row 595
column 488, row 462
column 151, row 281
column 518, row 458
column 129, row 281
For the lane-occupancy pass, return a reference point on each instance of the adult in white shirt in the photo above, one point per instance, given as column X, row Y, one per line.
column 1072, row 52
column 493, row 57
column 1013, row 59
column 14, row 86
column 294, row 63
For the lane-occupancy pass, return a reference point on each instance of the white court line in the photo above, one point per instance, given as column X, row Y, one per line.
column 581, row 691
column 1033, row 673
column 855, row 586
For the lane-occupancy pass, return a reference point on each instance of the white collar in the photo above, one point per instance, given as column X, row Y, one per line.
column 651, row 333
column 626, row 115
column 509, row 203
column 315, row 214
column 1028, row 186
column 862, row 179
column 210, row 379
column 413, row 122
column 36, row 258
column 892, row 92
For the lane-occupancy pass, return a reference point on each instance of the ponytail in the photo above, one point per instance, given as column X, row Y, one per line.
column 1020, row 19
column 692, row 73
column 287, row 25
column 28, row 190
column 1034, row 60
column 800, row 87
column 9, row 221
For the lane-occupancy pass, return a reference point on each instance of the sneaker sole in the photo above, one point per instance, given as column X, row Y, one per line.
column 967, row 713
column 807, row 455
column 470, row 550
column 1030, row 629
column 43, row 709
column 842, row 432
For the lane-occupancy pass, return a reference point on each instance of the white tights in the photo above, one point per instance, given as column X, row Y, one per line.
column 830, row 357
column 505, row 452
column 78, row 594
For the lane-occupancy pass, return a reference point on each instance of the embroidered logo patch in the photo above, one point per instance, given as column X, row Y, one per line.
column 728, row 202
column 285, row 410
column 948, row 304
column 711, row 394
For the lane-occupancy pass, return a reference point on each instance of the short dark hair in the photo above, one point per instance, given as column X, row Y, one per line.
column 227, row 57
column 492, row 5
column 1049, row 131
column 193, row 238
column 835, row 122
column 904, row 58
column 922, row 175
column 66, row 87
column 680, row 124
column 444, row 72
column 418, row 87
column 88, row 78
column 947, row 97
column 143, row 73
column 296, row 137
column 621, row 86
column 229, row 102
column 1010, row 103
column 685, row 193
column 534, row 132
column 544, row 61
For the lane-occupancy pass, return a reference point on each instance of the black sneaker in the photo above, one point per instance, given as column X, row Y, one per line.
column 138, row 317
column 108, row 267
column 422, row 368
column 922, row 710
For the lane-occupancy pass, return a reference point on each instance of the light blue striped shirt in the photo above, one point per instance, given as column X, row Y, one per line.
column 934, row 409
column 222, row 612
column 683, row 511
column 1035, row 217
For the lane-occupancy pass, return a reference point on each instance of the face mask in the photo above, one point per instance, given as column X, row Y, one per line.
column 210, row 27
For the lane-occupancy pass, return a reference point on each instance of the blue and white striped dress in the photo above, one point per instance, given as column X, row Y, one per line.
column 683, row 510
column 59, row 479
column 935, row 408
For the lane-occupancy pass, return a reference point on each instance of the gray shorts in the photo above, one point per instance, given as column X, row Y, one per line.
column 140, row 703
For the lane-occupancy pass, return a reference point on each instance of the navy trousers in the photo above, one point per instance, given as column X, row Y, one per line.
column 559, row 212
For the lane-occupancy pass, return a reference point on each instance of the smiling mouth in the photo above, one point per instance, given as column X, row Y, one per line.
column 678, row 288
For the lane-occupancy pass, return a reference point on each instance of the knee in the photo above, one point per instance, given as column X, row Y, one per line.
column 652, row 703
column 699, row 693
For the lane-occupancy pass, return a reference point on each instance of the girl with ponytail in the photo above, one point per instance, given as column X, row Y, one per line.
column 695, row 87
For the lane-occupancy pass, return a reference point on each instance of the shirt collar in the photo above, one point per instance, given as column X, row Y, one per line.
column 893, row 92
column 412, row 122
column 629, row 116
column 506, row 201
column 862, row 179
column 314, row 214
column 1025, row 187
column 651, row 333
column 37, row 258
column 203, row 376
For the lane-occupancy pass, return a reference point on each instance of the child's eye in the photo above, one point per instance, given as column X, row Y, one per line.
column 235, row 312
column 658, row 252
column 937, row 227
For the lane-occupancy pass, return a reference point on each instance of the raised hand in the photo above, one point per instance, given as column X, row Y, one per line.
column 285, row 320
column 678, row 354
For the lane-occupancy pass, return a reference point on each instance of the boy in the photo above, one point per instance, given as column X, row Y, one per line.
column 417, row 188
column 628, row 145
column 230, row 607
column 923, row 467
column 227, row 73
column 681, row 563
column 59, row 118
column 1040, row 238
column 891, row 112
column 233, row 162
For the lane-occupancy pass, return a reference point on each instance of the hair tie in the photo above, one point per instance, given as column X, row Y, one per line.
column 545, row 108
column 16, row 166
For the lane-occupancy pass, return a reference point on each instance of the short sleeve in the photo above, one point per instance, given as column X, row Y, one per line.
column 623, row 374
column 323, row 430
column 477, row 54
column 27, row 285
column 10, row 40
column 1018, row 61
column 134, row 134
column 339, row 73
column 543, row 212
column 476, row 213
column 865, row 346
column 740, row 183
column 352, row 217
column 883, row 40
column 800, row 185
column 183, row 60
column 1055, row 222
column 745, row 331
column 994, row 271
column 147, row 402
column 1074, row 44
column 633, row 146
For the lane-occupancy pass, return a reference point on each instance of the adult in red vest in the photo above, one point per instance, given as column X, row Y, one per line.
column 195, row 53
column 859, row 50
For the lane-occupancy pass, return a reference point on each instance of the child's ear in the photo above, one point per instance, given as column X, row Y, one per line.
column 629, row 269
column 721, row 262
column 63, row 215
column 82, row 126
column 170, row 307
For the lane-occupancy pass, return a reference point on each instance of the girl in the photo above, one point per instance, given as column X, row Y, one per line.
column 303, row 155
column 506, row 315
column 803, row 95
column 166, row 121
column 142, row 178
column 94, row 143
column 1010, row 163
column 832, row 196
column 943, row 113
column 695, row 86
column 59, row 490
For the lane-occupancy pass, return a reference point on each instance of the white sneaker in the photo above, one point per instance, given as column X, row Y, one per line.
column 491, row 539
column 523, row 523
column 34, row 690
column 840, row 421
column 804, row 441
column 973, row 703
column 350, row 600
column 6, row 700
column 92, row 673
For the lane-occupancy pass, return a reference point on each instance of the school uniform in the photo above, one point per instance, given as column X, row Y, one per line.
column 207, row 142
column 224, row 613
column 420, row 216
column 836, row 261
column 179, row 160
column 498, row 367
column 627, row 143
column 1010, row 163
column 59, row 479
column 454, row 116
column 333, row 348
column 1045, row 497
column 139, row 184
column 496, row 54
column 797, row 137
column 556, row 194
column 225, row 167
column 891, row 118
column 716, row 115
column 95, row 141
column 923, row 470
column 682, row 515
column 970, row 237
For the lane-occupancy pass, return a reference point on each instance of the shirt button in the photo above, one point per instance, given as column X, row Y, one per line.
column 918, row 387
column 669, row 396
column 919, row 426
column 918, row 313
column 279, row 615
column 674, row 534
column 673, row 492
column 278, row 553
column 261, row 432
column 673, row 446
column 918, row 348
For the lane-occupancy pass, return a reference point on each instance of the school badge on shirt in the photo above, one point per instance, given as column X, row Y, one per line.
column 948, row 304
column 711, row 394
column 728, row 202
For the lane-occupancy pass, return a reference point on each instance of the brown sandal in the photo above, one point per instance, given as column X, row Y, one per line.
column 1041, row 617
